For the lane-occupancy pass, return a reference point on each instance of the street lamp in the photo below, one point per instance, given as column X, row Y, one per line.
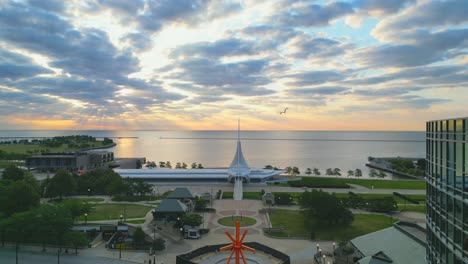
column 89, row 192
column 121, row 217
column 318, row 247
column 181, row 233
column 120, row 248
column 154, row 243
column 85, row 218
column 334, row 245
column 323, row 259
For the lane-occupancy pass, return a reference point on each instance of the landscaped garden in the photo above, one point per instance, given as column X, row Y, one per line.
column 113, row 211
column 295, row 225
column 323, row 182
column 231, row 221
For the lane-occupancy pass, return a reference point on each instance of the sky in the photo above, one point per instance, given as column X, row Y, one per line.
column 201, row 65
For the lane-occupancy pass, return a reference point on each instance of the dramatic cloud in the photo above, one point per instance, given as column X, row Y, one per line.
column 121, row 63
column 315, row 78
column 313, row 15
column 15, row 66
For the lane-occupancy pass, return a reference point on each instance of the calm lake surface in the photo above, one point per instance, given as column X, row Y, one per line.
column 305, row 149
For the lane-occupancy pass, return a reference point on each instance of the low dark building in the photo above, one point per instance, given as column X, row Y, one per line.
column 72, row 161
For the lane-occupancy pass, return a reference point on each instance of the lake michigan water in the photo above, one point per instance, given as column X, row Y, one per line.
column 305, row 149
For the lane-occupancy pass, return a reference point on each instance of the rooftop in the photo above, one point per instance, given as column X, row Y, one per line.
column 397, row 244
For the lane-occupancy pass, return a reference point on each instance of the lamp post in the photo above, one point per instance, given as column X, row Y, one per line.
column 323, row 261
column 58, row 255
column 120, row 248
column 181, row 233
column 89, row 191
column 154, row 243
column 85, row 218
column 121, row 219
column 318, row 247
column 153, row 212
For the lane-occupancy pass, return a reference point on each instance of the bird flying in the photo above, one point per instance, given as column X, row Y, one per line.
column 284, row 111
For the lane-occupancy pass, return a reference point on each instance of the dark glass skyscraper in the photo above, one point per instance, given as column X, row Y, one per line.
column 447, row 190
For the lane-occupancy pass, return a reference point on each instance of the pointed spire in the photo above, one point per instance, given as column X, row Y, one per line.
column 239, row 166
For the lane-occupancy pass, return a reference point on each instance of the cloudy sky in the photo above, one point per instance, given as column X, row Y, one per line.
column 183, row 64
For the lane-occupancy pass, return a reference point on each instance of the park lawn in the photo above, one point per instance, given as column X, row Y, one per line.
column 7, row 163
column 413, row 208
column 228, row 195
column 246, row 195
column 85, row 200
column 294, row 226
column 139, row 221
column 335, row 182
column 23, row 148
column 113, row 211
column 231, row 221
column 421, row 198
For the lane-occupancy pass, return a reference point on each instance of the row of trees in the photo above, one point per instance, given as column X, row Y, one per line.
column 374, row 173
column 333, row 172
column 103, row 181
column 24, row 220
column 167, row 164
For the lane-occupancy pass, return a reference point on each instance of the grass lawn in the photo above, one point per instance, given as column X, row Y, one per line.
column 244, row 221
column 246, row 195
column 421, row 198
column 413, row 208
column 294, row 226
column 23, row 148
column 368, row 183
column 113, row 211
column 88, row 200
column 141, row 221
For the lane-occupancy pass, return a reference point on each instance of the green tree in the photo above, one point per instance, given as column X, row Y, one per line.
column 184, row 165
column 288, row 169
column 350, row 173
column 168, row 165
column 337, row 172
column 268, row 167
column 358, row 173
column 295, row 170
column 150, row 164
column 325, row 208
column 18, row 197
column 194, row 165
column 178, row 165
column 61, row 184
column 373, row 173
column 329, row 172
column 75, row 239
column 138, row 237
column 308, row 171
column 192, row 219
column 76, row 207
column 162, row 164
column 201, row 204
column 316, row 171
column 381, row 174
column 13, row 173
column 200, row 166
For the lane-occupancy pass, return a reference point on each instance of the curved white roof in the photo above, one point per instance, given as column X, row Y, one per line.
column 191, row 174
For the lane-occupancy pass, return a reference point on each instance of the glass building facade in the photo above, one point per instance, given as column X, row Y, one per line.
column 447, row 190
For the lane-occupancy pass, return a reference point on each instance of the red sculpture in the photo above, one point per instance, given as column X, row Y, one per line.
column 237, row 246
